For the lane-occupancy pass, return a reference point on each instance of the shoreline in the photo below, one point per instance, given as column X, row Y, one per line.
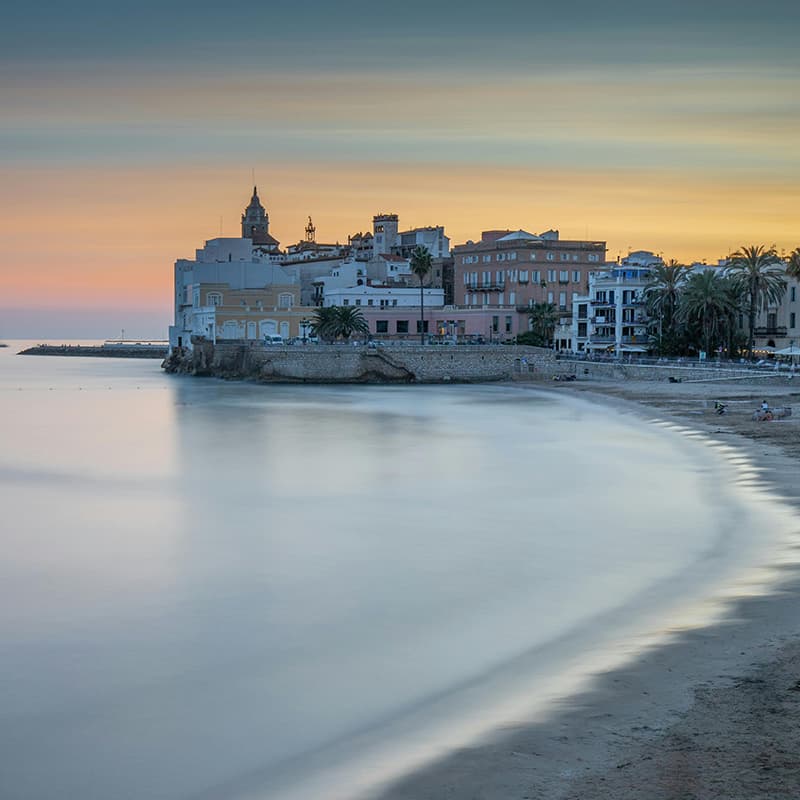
column 708, row 714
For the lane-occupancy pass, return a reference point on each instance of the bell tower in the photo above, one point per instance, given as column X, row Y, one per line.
column 255, row 221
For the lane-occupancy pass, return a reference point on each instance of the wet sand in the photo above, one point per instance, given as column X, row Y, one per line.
column 713, row 714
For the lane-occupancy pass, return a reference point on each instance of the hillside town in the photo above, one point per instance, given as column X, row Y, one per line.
column 506, row 286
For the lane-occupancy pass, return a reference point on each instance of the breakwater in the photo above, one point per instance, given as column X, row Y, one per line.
column 98, row 351
column 351, row 364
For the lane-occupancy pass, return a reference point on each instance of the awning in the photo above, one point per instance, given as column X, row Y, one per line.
column 599, row 345
column 632, row 348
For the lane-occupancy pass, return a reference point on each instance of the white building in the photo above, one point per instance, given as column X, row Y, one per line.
column 613, row 315
column 383, row 296
column 227, row 264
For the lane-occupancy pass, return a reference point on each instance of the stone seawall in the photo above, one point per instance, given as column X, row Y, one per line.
column 351, row 364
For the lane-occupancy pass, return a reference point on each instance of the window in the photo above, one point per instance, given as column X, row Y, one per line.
column 536, row 276
column 486, row 278
column 512, row 298
column 421, row 328
column 358, row 301
column 575, row 257
column 394, row 302
column 533, row 256
column 791, row 320
column 213, row 299
column 501, row 276
column 593, row 257
column 402, row 326
column 369, row 302
column 487, row 259
column 501, row 256
column 466, row 278
column 576, row 276
column 562, row 301
column 508, row 323
column 500, row 298
column 345, row 302
column 495, row 324
column 382, row 326
column 523, row 276
column 512, row 275
column 549, row 297
column 551, row 257
column 565, row 256
column 563, row 276
column 793, row 294
column 285, row 300
column 551, row 275
column 512, row 256
column 582, row 329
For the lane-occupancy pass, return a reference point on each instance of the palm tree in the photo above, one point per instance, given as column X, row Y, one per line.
column 662, row 293
column 543, row 318
column 324, row 323
column 793, row 264
column 331, row 322
column 350, row 320
column 706, row 301
column 758, row 274
column 421, row 264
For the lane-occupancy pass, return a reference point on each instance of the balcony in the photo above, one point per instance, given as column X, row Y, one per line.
column 774, row 331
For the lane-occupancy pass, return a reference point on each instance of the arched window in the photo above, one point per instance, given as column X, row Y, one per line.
column 285, row 300
column 213, row 299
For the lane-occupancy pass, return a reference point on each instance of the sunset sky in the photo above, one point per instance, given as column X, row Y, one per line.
column 129, row 134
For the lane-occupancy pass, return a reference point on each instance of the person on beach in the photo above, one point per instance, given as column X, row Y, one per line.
column 765, row 406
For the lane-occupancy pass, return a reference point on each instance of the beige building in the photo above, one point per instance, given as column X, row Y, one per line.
column 514, row 269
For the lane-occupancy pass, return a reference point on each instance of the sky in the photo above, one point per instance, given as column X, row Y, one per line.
column 132, row 133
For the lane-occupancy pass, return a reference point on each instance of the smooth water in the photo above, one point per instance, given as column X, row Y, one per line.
column 214, row 589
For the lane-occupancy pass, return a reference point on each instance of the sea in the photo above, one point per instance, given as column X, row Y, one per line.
column 216, row 589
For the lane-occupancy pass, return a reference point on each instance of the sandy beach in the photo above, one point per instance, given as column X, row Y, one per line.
column 712, row 714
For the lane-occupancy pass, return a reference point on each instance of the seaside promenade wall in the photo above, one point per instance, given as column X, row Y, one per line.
column 360, row 364
column 429, row 364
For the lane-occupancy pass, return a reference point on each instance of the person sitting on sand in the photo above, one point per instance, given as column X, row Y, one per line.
column 765, row 406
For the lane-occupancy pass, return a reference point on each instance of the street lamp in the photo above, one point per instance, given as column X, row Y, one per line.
column 304, row 325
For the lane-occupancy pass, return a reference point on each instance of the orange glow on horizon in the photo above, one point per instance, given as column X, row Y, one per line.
column 89, row 236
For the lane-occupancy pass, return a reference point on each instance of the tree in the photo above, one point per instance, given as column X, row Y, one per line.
column 662, row 294
column 324, row 323
column 706, row 303
column 757, row 272
column 421, row 263
column 543, row 318
column 793, row 264
column 350, row 320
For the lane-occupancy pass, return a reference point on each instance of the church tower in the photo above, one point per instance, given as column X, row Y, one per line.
column 255, row 224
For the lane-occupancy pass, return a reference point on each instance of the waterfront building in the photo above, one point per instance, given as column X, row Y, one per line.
column 231, row 289
column 612, row 316
column 515, row 269
column 387, row 239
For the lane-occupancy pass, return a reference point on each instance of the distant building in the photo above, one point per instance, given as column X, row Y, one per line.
column 229, row 290
column 514, row 269
column 255, row 226
column 612, row 316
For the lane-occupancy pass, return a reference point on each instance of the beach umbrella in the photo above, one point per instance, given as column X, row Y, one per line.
column 791, row 350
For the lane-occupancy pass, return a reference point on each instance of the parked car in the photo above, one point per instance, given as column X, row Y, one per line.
column 273, row 338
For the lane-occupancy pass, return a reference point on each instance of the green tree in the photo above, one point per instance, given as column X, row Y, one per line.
column 662, row 295
column 705, row 305
column 543, row 318
column 350, row 320
column 758, row 273
column 421, row 263
column 793, row 264
column 324, row 323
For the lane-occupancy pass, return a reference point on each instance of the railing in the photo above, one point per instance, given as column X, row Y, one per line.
column 767, row 331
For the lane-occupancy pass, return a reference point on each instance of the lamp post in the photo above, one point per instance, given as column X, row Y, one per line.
column 304, row 325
